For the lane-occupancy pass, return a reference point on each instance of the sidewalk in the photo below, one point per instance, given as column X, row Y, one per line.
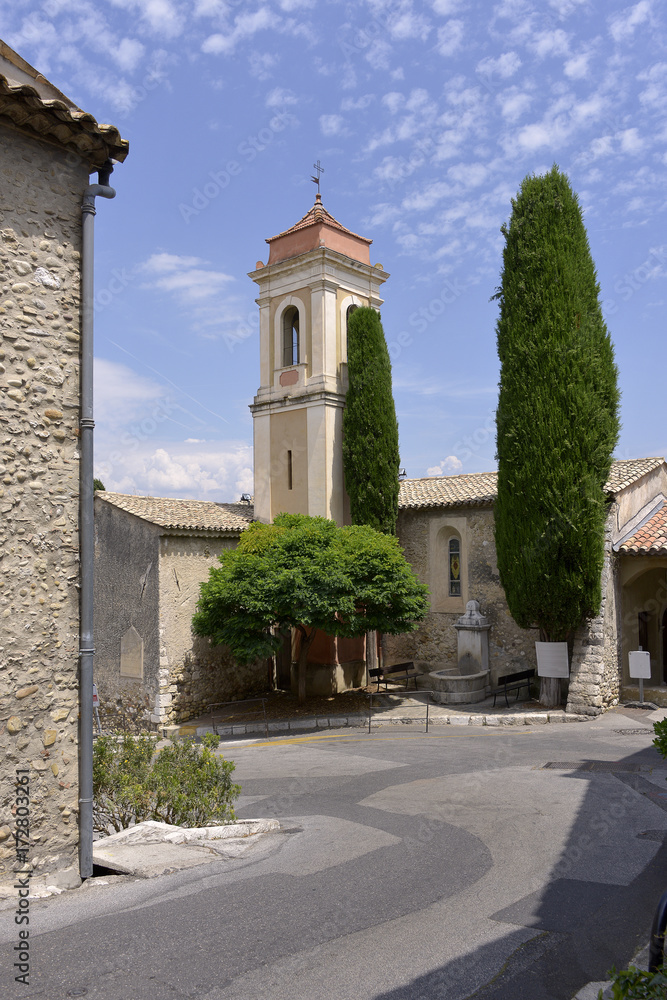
column 395, row 707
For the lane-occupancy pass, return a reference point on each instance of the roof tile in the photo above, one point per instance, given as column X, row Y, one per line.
column 480, row 489
column 186, row 515
column 650, row 539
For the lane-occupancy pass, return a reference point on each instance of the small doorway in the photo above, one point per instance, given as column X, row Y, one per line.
column 663, row 632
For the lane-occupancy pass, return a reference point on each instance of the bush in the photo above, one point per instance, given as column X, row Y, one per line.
column 660, row 741
column 183, row 784
column 633, row 984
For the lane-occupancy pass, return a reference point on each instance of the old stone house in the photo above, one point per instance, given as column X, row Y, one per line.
column 447, row 530
column 48, row 148
column 151, row 555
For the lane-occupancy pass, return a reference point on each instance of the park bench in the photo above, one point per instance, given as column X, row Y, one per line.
column 513, row 682
column 397, row 671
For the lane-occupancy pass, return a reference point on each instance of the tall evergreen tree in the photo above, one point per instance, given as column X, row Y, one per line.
column 557, row 419
column 370, row 429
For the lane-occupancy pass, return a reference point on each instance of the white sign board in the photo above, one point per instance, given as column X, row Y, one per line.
column 552, row 659
column 640, row 664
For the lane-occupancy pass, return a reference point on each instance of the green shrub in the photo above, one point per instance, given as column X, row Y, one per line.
column 660, row 741
column 633, row 984
column 183, row 784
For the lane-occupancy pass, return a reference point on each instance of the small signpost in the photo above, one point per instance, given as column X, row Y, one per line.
column 640, row 668
column 96, row 708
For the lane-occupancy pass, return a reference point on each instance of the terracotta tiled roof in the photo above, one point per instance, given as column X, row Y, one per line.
column 479, row 489
column 318, row 213
column 187, row 515
column 476, row 489
column 627, row 471
column 23, row 107
column 650, row 539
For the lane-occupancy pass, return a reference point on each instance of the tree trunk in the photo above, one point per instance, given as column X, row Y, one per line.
column 371, row 654
column 550, row 692
column 304, row 646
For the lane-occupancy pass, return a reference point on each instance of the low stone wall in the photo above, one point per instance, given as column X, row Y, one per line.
column 207, row 675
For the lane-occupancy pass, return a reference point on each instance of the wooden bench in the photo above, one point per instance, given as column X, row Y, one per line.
column 513, row 682
column 396, row 670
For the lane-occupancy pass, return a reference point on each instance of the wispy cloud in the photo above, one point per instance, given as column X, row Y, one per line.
column 622, row 26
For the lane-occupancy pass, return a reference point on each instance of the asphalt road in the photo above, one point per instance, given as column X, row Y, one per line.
column 410, row 866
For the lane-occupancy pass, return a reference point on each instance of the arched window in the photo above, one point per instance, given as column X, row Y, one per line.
column 350, row 310
column 290, row 337
column 454, row 568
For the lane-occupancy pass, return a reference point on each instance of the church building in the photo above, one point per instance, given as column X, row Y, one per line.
column 317, row 272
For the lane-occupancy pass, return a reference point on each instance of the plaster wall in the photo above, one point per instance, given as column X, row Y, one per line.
column 194, row 673
column 41, row 190
column 126, row 593
column 635, row 497
column 434, row 644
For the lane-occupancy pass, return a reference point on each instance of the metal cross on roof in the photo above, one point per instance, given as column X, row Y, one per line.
column 319, row 170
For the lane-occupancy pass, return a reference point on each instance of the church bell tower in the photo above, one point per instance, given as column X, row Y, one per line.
column 317, row 273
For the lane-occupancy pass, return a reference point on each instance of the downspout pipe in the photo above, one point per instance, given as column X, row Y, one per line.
column 86, row 525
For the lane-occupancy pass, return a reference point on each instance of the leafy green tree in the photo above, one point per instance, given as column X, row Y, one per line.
column 557, row 419
column 370, row 429
column 98, row 485
column 306, row 573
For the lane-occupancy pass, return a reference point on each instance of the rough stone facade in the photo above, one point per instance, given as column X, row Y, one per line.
column 41, row 190
column 147, row 578
column 595, row 664
column 434, row 645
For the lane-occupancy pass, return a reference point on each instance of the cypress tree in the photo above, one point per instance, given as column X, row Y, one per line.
column 557, row 418
column 370, row 429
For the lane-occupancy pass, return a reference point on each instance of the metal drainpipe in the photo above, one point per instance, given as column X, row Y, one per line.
column 86, row 526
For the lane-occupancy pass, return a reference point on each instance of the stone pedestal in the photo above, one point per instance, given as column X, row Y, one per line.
column 472, row 630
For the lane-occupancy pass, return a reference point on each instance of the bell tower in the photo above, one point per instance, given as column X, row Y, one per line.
column 317, row 273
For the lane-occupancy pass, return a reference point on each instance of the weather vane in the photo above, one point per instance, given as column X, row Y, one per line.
column 319, row 170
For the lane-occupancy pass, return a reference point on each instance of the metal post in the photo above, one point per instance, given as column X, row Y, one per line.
column 427, row 699
column 370, row 710
column 86, row 526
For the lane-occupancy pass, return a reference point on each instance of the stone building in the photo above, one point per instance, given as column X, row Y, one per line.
column 48, row 149
column 150, row 557
column 446, row 528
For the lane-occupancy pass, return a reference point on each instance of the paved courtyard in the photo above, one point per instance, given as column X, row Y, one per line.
column 409, row 866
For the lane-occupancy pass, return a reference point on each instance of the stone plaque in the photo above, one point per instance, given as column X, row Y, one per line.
column 132, row 654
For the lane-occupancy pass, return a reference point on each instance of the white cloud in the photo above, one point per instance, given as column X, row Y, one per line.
column 128, row 54
column 504, row 66
column 184, row 276
column 331, row 125
column 279, row 97
column 161, row 17
column 631, row 141
column 514, row 103
column 450, row 37
column 550, row 43
column 394, row 101
column 245, row 26
column 468, row 174
column 449, row 466
column 262, row 64
column 357, row 104
column 446, row 7
column 408, row 24
column 622, row 26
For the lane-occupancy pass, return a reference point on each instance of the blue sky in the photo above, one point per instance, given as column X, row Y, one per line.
column 426, row 116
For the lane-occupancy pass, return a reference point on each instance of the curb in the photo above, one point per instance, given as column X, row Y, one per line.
column 361, row 721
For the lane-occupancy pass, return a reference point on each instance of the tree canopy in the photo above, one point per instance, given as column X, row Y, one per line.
column 557, row 418
column 370, row 430
column 307, row 573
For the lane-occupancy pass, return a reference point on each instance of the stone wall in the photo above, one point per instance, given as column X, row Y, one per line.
column 127, row 552
column 193, row 673
column 595, row 668
column 434, row 644
column 41, row 191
